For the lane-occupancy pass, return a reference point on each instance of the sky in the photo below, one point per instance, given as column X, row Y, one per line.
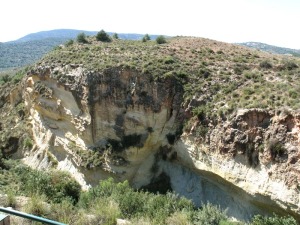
column 273, row 22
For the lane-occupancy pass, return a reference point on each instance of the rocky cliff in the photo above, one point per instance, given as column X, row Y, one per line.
column 175, row 122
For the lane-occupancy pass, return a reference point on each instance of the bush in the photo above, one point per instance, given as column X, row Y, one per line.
column 133, row 204
column 277, row 150
column 265, row 64
column 27, row 143
column 209, row 215
column 290, row 65
column 109, row 213
column 273, row 220
column 37, row 206
column 64, row 212
column 81, row 38
column 115, row 36
column 55, row 186
column 10, row 199
column 69, row 43
column 5, row 78
column 146, row 38
column 161, row 39
column 103, row 36
column 179, row 218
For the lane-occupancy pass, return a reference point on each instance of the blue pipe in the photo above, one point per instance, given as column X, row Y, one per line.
column 30, row 216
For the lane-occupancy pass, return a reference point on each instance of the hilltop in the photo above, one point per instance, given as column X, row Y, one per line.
column 30, row 48
column 224, row 75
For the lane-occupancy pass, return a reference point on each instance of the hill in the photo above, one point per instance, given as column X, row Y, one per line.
column 272, row 48
column 32, row 47
column 211, row 121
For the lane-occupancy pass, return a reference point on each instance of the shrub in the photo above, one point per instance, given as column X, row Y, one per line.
column 115, row 36
column 273, row 220
column 81, row 38
column 109, row 213
column 103, row 36
column 64, row 187
column 37, row 205
column 277, row 150
column 55, row 186
column 64, row 212
column 293, row 94
column 10, row 199
column 18, row 77
column 290, row 65
column 27, row 143
column 69, row 43
column 133, row 204
column 265, row 64
column 201, row 112
column 5, row 78
column 209, row 215
column 179, row 218
column 146, row 38
column 161, row 39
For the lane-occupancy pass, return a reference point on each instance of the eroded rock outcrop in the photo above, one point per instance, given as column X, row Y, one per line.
column 257, row 151
column 128, row 126
column 100, row 124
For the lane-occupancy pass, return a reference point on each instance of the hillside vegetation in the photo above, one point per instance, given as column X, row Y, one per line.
column 32, row 47
column 272, row 48
column 24, row 53
column 57, row 196
column 218, row 78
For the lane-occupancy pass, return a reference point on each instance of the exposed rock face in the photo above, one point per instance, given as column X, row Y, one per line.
column 120, row 118
column 257, row 151
column 122, row 124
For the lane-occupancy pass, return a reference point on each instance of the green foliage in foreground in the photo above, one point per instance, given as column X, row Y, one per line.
column 274, row 220
column 57, row 196
column 136, row 204
column 55, row 186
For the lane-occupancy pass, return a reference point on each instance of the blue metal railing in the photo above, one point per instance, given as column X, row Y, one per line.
column 30, row 216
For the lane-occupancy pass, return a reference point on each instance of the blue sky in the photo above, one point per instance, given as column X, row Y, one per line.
column 269, row 21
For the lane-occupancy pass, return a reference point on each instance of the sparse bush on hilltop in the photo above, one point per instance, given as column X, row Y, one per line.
column 146, row 38
column 81, row 38
column 115, row 36
column 103, row 36
column 69, row 43
column 161, row 39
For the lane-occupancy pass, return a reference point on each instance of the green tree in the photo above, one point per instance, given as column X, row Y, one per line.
column 103, row 36
column 81, row 38
column 161, row 39
column 146, row 38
